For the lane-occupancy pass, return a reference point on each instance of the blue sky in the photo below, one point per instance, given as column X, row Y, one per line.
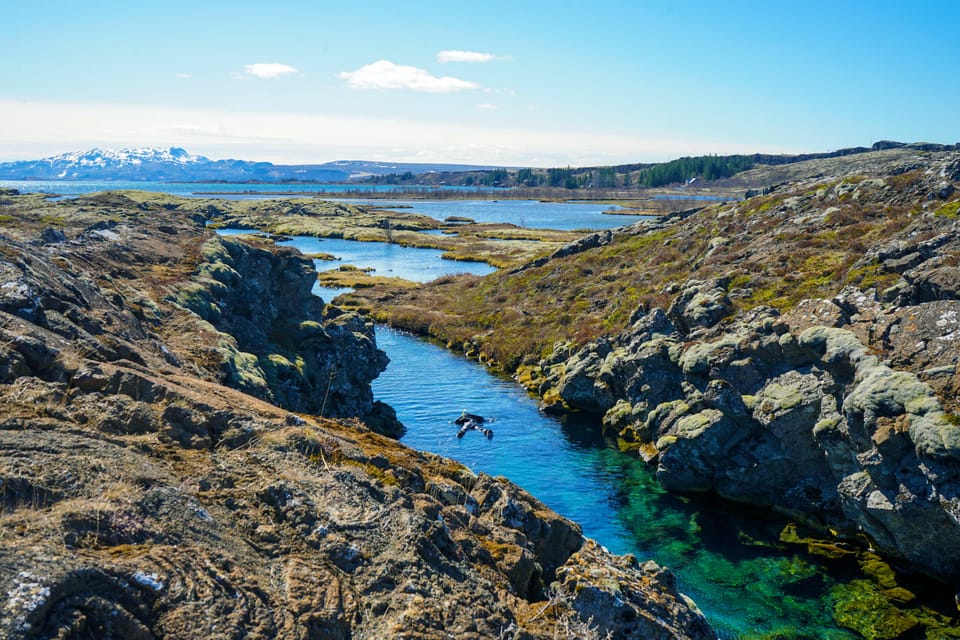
column 515, row 83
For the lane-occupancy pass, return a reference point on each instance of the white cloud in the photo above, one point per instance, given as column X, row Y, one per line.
column 384, row 74
column 182, row 75
column 266, row 70
column 464, row 56
column 31, row 130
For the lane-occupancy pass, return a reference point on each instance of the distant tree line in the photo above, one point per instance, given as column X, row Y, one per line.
column 616, row 177
column 493, row 178
column 628, row 176
column 685, row 169
column 393, row 178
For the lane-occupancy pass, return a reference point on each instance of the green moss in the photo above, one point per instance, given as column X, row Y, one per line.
column 949, row 210
column 691, row 426
column 826, row 425
column 196, row 297
column 921, row 405
column 739, row 282
column 52, row 220
column 861, row 607
column 278, row 367
column 777, row 398
column 871, row 275
column 666, row 442
column 213, row 250
column 385, row 476
column 242, row 369
column 219, row 272
column 310, row 329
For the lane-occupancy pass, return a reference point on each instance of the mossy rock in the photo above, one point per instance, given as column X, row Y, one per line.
column 310, row 329
column 213, row 250
column 879, row 571
column 694, row 425
column 949, row 210
column 195, row 296
column 861, row 607
column 242, row 369
column 220, row 272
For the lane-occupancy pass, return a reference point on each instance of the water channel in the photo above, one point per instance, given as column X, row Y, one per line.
column 735, row 564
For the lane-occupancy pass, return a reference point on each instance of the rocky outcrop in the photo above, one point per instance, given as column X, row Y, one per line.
column 806, row 421
column 841, row 412
column 280, row 343
column 143, row 498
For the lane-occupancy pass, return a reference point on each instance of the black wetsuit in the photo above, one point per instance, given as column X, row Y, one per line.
column 469, row 421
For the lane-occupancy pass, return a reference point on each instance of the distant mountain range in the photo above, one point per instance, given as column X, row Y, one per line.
column 176, row 164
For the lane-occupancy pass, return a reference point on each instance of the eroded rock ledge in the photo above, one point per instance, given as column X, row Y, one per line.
column 144, row 498
column 797, row 411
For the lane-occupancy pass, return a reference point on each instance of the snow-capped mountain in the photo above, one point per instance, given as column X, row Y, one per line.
column 176, row 164
column 155, row 164
column 108, row 157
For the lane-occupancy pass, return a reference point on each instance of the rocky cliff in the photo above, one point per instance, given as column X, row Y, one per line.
column 167, row 473
column 796, row 350
column 280, row 343
column 838, row 410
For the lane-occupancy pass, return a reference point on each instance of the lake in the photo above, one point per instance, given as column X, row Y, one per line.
column 229, row 191
column 532, row 214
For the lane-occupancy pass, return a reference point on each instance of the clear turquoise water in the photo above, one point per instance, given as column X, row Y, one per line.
column 731, row 562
